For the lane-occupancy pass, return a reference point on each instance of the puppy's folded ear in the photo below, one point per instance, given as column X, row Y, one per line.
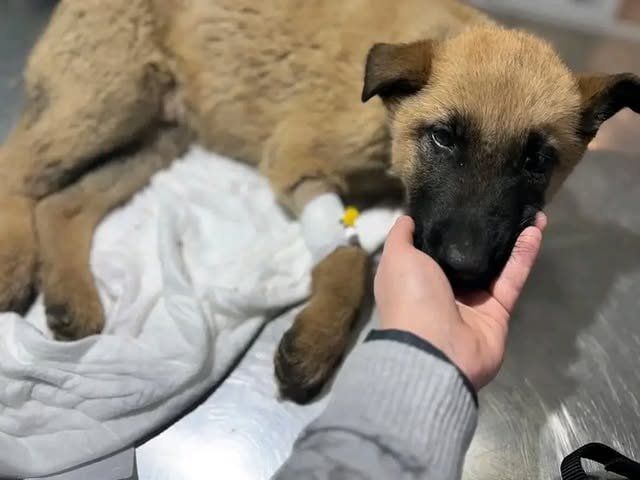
column 605, row 95
column 394, row 71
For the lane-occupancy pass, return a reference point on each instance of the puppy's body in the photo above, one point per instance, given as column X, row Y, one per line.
column 116, row 90
column 247, row 73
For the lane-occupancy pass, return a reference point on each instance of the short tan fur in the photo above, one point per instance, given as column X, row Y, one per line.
column 116, row 90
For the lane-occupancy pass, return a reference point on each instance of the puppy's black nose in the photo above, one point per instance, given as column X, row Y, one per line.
column 465, row 262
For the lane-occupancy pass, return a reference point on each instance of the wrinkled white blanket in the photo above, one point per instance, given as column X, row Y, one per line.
column 187, row 271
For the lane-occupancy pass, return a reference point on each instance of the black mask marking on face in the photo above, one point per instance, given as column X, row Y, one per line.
column 471, row 197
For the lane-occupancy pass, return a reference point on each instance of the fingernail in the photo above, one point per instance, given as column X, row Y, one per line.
column 541, row 221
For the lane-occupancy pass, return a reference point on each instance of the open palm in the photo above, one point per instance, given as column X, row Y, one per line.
column 413, row 294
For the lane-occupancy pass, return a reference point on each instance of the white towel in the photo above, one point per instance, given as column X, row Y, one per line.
column 187, row 271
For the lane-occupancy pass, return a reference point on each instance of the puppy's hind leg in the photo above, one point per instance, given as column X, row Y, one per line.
column 65, row 222
column 93, row 84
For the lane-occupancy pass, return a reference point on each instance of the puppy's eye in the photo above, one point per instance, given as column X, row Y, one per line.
column 538, row 161
column 538, row 156
column 442, row 137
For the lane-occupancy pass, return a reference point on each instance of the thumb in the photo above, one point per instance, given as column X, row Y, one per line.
column 400, row 235
column 508, row 286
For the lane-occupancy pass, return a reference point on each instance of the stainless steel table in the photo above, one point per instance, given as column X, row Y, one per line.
column 571, row 375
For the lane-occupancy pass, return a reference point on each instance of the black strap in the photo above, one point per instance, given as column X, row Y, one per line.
column 571, row 468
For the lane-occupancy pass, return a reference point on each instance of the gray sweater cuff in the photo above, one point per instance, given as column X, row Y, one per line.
column 413, row 340
column 416, row 400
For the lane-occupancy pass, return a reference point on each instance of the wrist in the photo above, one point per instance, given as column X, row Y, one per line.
column 411, row 339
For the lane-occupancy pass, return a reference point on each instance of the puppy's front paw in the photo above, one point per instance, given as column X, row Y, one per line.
column 309, row 353
column 73, row 308
column 299, row 379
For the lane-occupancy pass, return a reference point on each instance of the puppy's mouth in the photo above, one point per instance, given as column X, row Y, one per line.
column 462, row 282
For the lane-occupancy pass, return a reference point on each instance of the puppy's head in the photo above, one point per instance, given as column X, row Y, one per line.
column 485, row 127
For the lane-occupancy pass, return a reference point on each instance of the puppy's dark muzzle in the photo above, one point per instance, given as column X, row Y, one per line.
column 466, row 255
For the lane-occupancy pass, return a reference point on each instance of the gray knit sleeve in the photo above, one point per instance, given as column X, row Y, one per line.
column 399, row 410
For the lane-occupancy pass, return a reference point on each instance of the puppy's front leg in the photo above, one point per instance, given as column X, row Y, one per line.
column 310, row 351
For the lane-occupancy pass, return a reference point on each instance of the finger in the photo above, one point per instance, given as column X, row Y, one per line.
column 508, row 286
column 400, row 235
column 541, row 221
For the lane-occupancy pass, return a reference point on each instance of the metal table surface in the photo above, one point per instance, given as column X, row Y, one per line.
column 570, row 376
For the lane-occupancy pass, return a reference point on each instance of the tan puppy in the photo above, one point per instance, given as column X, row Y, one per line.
column 481, row 125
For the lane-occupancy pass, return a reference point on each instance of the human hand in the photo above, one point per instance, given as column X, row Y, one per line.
column 414, row 295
